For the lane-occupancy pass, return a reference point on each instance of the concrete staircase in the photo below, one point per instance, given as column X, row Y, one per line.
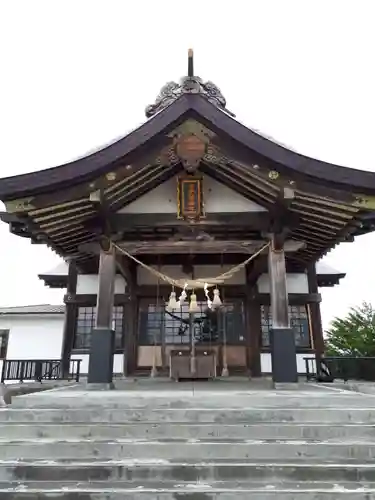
column 188, row 445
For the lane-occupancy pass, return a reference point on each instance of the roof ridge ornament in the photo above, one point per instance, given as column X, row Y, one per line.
column 189, row 84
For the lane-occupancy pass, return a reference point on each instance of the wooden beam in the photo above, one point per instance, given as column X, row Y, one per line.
column 252, row 181
column 237, row 185
column 294, row 299
column 246, row 247
column 255, row 220
column 63, row 196
column 231, row 291
column 141, row 185
column 196, row 260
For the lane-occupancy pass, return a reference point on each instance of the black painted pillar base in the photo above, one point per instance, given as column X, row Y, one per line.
column 101, row 356
column 283, row 355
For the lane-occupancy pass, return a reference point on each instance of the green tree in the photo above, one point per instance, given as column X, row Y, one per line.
column 353, row 335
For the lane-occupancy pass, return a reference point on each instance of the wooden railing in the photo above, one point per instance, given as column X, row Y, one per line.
column 39, row 369
column 329, row 368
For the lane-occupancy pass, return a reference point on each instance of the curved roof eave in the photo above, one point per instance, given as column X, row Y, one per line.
column 220, row 122
column 96, row 163
column 289, row 160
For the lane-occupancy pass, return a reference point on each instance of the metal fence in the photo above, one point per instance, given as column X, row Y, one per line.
column 39, row 369
column 329, row 368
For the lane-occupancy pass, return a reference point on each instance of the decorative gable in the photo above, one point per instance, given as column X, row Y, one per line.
column 216, row 198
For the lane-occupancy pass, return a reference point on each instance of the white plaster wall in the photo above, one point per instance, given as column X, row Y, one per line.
column 34, row 337
column 88, row 284
column 162, row 199
column 146, row 278
column 216, row 196
column 118, row 363
column 219, row 198
column 266, row 363
column 295, row 283
column 41, row 337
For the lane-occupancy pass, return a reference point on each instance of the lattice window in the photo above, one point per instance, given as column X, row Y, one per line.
column 208, row 327
column 4, row 336
column 298, row 321
column 86, row 322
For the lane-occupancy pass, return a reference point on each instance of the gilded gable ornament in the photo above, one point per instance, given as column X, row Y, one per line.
column 190, row 149
column 190, row 197
column 273, row 175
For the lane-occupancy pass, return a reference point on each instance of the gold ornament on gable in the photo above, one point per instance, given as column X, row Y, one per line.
column 192, row 127
column 190, row 204
column 190, row 149
column 365, row 202
column 273, row 175
column 21, row 205
column 167, row 157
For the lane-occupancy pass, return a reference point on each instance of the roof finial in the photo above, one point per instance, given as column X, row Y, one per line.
column 189, row 84
column 190, row 62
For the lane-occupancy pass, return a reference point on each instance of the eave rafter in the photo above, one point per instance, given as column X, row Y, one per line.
column 327, row 216
column 65, row 219
column 64, row 226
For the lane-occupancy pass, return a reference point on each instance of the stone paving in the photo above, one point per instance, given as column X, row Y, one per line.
column 232, row 439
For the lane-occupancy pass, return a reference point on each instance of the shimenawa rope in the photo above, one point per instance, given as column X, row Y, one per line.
column 189, row 283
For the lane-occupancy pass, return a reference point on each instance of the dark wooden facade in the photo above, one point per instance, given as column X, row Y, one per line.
column 307, row 203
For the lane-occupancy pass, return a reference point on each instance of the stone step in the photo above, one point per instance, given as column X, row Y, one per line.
column 194, row 492
column 192, row 486
column 199, row 415
column 207, row 472
column 188, row 450
column 152, row 430
column 61, row 400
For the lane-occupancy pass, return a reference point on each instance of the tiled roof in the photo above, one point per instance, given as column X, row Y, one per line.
column 36, row 309
column 60, row 270
column 323, row 268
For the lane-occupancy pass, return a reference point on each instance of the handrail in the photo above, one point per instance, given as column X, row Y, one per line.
column 329, row 368
column 39, row 369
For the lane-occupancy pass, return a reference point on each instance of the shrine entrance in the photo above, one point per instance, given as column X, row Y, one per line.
column 203, row 233
column 218, row 331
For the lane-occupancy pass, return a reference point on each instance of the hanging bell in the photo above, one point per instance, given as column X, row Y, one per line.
column 172, row 303
column 183, row 296
column 206, row 292
column 193, row 304
column 216, row 302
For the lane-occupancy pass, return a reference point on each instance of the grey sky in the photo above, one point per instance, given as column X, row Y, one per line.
column 77, row 74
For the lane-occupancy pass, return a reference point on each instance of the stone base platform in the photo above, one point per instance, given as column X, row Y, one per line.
column 231, row 439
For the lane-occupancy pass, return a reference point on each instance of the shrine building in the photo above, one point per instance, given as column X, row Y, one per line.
column 191, row 244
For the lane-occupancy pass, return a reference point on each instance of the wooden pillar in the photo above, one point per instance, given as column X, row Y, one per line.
column 130, row 319
column 253, row 327
column 103, row 335
column 70, row 317
column 278, row 289
column 283, row 351
column 314, row 313
column 255, row 322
